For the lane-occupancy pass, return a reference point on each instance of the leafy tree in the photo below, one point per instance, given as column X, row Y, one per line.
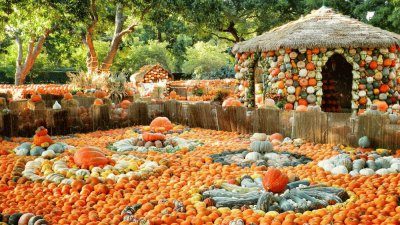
column 204, row 59
column 138, row 55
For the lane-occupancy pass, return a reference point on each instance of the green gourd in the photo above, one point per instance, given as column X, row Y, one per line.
column 14, row 218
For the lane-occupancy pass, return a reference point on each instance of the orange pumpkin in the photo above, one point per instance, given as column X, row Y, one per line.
column 275, row 181
column 125, row 104
column 384, row 88
column 303, row 82
column 153, row 136
column 288, row 106
column 68, row 96
column 382, row 106
column 362, row 101
column 159, row 122
column 39, row 140
column 264, row 55
column 301, row 108
column 373, row 65
column 172, row 95
column 310, row 66
column 36, row 98
column 276, row 136
column 281, row 85
column 90, row 156
column 315, row 50
column 392, row 49
column 231, row 102
column 387, row 62
column 303, row 102
column 98, row 101
column 100, row 94
column 80, row 93
column 312, row 82
column 41, row 131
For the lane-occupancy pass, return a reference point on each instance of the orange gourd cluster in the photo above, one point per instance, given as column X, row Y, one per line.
column 96, row 201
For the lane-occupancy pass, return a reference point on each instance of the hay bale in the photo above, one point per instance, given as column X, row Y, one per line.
column 69, row 103
column 36, row 105
column 3, row 103
column 18, row 105
column 56, row 121
column 100, row 116
column 138, row 113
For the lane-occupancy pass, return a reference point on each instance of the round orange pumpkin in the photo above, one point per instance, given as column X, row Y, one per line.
column 90, row 156
column 276, row 136
column 310, row 66
column 387, row 62
column 231, row 102
column 36, row 98
column 98, row 101
column 384, row 88
column 303, row 102
column 100, row 94
column 172, row 95
column 153, row 136
column 68, row 96
column 373, row 65
column 301, row 108
column 382, row 106
column 41, row 131
column 125, row 104
column 274, row 180
column 161, row 122
column 39, row 140
column 288, row 106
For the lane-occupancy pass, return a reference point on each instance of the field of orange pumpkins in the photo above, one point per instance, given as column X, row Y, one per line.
column 170, row 174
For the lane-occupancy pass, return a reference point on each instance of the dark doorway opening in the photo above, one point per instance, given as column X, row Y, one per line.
column 337, row 85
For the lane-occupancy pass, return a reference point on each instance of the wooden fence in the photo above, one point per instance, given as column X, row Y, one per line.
column 319, row 127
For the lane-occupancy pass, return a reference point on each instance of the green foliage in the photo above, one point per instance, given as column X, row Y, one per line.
column 132, row 58
column 205, row 59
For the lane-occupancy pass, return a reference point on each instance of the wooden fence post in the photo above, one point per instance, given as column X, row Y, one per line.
column 57, row 121
column 100, row 116
column 138, row 113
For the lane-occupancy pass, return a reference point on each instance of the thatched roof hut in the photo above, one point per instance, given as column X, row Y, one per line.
column 322, row 59
column 321, row 28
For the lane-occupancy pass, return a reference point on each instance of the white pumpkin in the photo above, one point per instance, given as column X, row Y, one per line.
column 259, row 137
column 49, row 154
column 339, row 170
column 395, row 166
column 382, row 171
column 253, row 156
column 22, row 151
column 354, row 173
column 367, row 172
column 82, row 172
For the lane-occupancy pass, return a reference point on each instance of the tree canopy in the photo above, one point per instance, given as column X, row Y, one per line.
column 149, row 31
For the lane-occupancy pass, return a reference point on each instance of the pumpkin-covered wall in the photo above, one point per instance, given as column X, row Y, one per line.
column 293, row 77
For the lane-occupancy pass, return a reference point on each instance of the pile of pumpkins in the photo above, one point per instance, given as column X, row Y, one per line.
column 294, row 75
column 262, row 153
column 42, row 145
column 88, row 162
column 362, row 164
column 22, row 219
column 272, row 191
column 119, row 112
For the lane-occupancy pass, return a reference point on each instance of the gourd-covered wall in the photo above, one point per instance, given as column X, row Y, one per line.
column 293, row 77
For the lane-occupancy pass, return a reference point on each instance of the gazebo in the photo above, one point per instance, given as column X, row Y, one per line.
column 323, row 58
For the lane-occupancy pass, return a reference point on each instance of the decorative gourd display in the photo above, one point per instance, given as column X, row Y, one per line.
column 14, row 218
column 41, row 137
column 161, row 124
column 275, row 181
column 261, row 146
column 90, row 156
column 153, row 136
column 24, row 219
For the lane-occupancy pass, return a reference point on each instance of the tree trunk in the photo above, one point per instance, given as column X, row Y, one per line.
column 117, row 38
column 22, row 70
column 18, row 66
column 92, row 60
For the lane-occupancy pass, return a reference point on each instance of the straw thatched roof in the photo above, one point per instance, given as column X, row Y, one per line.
column 322, row 28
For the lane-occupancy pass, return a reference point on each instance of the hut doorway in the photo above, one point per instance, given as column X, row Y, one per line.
column 337, row 85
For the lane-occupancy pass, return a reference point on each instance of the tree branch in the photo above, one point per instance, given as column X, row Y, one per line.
column 222, row 37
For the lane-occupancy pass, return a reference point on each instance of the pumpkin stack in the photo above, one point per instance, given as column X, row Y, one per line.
column 36, row 103
column 69, row 102
column 41, row 138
